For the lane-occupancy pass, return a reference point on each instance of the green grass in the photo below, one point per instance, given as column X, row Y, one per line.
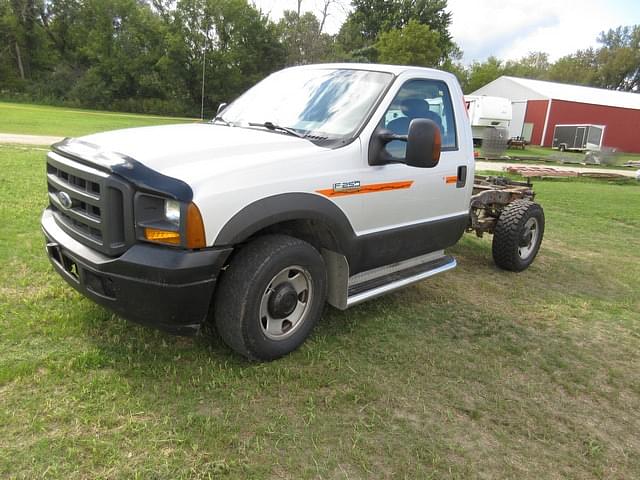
column 477, row 373
column 533, row 154
column 57, row 121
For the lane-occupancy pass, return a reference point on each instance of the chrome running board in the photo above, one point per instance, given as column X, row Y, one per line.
column 365, row 286
column 346, row 291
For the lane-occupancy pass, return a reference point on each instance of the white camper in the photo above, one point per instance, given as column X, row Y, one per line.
column 487, row 112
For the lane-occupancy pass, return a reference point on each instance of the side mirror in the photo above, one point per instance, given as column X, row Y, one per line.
column 221, row 107
column 423, row 145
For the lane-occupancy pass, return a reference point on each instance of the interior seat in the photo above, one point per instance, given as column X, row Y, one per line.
column 413, row 108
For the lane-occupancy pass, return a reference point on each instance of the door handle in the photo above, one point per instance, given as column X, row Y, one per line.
column 462, row 176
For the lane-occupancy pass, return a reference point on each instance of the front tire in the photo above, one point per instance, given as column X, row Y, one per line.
column 518, row 235
column 270, row 297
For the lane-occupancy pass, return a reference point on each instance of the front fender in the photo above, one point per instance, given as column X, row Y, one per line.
column 284, row 207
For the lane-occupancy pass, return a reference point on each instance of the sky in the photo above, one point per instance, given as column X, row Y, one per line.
column 507, row 29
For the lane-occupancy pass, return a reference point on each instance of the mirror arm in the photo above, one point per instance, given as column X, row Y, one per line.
column 387, row 137
column 221, row 107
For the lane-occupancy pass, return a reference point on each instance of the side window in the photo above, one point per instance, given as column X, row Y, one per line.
column 420, row 99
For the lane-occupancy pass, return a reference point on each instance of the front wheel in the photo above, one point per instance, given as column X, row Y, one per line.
column 270, row 297
column 518, row 235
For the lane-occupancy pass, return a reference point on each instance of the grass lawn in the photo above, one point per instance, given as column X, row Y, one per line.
column 59, row 121
column 533, row 154
column 477, row 373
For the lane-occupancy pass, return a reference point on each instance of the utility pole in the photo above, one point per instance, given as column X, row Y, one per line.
column 19, row 57
column 204, row 62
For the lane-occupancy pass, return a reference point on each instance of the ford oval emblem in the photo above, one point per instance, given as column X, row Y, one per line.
column 65, row 200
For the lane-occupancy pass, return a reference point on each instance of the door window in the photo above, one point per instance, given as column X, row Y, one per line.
column 420, row 99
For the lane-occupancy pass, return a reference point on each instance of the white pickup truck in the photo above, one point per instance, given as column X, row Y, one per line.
column 328, row 183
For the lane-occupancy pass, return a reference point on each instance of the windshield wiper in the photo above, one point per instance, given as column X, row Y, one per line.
column 272, row 126
column 219, row 118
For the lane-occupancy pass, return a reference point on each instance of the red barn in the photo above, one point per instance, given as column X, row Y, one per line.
column 539, row 106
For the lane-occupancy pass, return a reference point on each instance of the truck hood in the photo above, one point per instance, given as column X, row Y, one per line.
column 190, row 151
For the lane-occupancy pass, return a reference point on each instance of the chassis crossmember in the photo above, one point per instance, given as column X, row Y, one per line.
column 490, row 196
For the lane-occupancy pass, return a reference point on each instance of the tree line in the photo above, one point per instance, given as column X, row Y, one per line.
column 152, row 55
column 614, row 64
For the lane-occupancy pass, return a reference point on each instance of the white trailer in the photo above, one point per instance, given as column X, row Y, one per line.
column 487, row 112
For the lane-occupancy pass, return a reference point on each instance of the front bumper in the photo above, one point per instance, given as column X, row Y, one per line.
column 166, row 288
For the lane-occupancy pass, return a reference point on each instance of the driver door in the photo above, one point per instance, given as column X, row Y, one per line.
column 420, row 203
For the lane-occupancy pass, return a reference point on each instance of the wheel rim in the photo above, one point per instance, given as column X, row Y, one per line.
column 529, row 238
column 286, row 302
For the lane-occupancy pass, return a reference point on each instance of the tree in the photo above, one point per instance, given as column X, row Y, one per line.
column 370, row 18
column 580, row 68
column 240, row 45
column 481, row 73
column 457, row 68
column 140, row 55
column 10, row 71
column 302, row 37
column 23, row 41
column 535, row 65
column 325, row 10
column 414, row 44
column 619, row 59
column 116, row 46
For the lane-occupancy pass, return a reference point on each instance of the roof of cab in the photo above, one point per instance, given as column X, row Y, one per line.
column 376, row 67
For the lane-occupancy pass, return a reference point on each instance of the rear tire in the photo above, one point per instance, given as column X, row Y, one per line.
column 518, row 235
column 270, row 297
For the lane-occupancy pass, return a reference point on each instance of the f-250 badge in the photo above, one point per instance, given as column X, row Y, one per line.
column 352, row 186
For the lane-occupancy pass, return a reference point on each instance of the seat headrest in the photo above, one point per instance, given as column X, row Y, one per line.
column 415, row 108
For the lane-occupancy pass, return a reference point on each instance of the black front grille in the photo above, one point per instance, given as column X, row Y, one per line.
column 99, row 211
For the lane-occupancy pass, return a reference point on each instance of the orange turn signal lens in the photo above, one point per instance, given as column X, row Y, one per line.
column 195, row 228
column 437, row 146
column 162, row 236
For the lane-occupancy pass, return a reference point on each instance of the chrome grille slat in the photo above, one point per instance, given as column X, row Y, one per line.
column 82, row 230
column 79, row 183
column 64, row 186
column 74, row 213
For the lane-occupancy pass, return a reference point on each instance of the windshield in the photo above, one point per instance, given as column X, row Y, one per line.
column 325, row 105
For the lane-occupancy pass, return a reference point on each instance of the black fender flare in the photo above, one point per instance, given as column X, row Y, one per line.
column 362, row 252
column 283, row 207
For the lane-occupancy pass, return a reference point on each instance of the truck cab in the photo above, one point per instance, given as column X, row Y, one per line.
column 326, row 183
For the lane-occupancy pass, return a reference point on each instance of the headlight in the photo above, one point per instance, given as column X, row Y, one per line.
column 167, row 221
column 172, row 211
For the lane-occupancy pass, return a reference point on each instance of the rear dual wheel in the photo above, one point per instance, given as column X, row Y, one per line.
column 270, row 297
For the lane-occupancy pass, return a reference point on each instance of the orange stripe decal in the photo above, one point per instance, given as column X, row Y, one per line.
column 451, row 179
column 370, row 188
